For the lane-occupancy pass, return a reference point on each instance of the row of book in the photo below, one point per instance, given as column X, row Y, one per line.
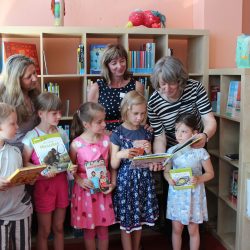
column 141, row 61
column 52, row 87
column 233, row 99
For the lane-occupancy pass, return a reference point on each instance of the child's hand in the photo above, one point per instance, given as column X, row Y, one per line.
column 171, row 182
column 144, row 144
column 72, row 169
column 85, row 183
column 127, row 153
column 50, row 174
column 110, row 189
column 194, row 180
column 4, row 184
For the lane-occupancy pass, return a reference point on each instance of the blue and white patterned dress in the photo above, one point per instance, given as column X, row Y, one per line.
column 188, row 205
column 135, row 202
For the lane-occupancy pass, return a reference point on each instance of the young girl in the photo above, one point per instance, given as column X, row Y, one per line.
column 135, row 200
column 92, row 212
column 15, row 202
column 188, row 206
column 50, row 192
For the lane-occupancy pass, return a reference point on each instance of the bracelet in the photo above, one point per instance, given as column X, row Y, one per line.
column 206, row 136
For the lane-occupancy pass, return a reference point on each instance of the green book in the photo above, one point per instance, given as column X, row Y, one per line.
column 182, row 178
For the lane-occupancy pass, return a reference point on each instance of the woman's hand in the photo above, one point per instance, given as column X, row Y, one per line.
column 148, row 128
column 202, row 142
column 156, row 167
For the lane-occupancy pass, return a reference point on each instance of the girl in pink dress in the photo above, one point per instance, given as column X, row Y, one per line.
column 91, row 211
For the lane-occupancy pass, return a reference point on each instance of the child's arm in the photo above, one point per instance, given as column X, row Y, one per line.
column 84, row 183
column 208, row 175
column 117, row 155
column 166, row 174
column 27, row 152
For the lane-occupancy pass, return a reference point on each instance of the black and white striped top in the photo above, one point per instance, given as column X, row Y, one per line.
column 162, row 114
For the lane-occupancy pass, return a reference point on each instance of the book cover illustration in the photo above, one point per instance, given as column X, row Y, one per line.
column 182, row 178
column 26, row 49
column 233, row 105
column 25, row 175
column 52, row 152
column 97, row 173
column 96, row 52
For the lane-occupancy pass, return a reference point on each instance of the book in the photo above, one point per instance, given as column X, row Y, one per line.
column 96, row 52
column 80, row 59
column 236, row 105
column 97, row 173
column 234, row 88
column 213, row 97
column 26, row 49
column 25, row 175
column 182, row 178
column 234, row 186
column 52, row 152
column 232, row 157
column 144, row 161
column 45, row 64
column 218, row 102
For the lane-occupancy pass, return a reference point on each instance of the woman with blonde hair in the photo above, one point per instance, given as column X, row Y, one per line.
column 19, row 87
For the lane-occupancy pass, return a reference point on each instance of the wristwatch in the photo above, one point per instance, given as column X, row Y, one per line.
column 206, row 136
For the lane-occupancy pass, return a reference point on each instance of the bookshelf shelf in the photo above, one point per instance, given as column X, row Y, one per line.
column 232, row 137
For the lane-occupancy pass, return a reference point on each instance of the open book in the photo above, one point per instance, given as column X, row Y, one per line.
column 181, row 148
column 25, row 175
column 182, row 178
column 52, row 152
column 144, row 161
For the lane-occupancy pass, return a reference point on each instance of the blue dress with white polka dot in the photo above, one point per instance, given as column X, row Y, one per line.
column 111, row 98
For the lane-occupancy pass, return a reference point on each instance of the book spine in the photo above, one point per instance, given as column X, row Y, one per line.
column 80, row 59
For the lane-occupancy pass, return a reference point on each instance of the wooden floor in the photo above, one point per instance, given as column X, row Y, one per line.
column 151, row 240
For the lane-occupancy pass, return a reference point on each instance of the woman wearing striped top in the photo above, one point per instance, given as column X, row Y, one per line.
column 175, row 94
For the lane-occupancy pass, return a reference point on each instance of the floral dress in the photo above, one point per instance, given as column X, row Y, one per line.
column 90, row 210
column 135, row 200
column 188, row 205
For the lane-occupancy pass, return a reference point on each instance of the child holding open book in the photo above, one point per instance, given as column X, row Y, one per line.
column 51, row 190
column 135, row 199
column 15, row 202
column 91, row 208
column 188, row 206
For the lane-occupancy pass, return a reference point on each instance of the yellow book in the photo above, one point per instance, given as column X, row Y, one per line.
column 25, row 175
